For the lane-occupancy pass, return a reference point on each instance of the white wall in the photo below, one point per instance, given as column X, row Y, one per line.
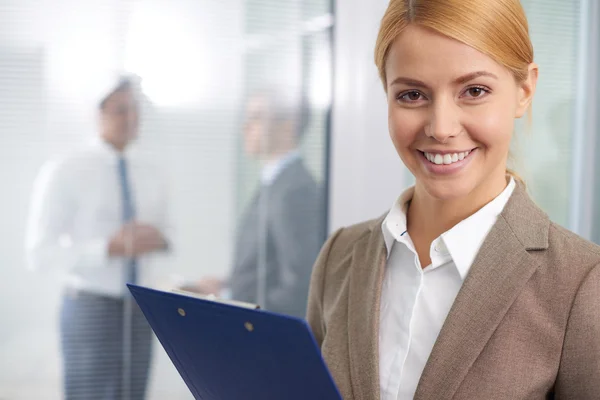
column 366, row 174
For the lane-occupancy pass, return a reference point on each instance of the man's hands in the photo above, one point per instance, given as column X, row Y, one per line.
column 136, row 239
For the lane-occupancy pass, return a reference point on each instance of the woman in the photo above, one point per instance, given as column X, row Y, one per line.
column 465, row 289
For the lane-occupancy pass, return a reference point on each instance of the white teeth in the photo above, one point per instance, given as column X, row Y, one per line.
column 446, row 158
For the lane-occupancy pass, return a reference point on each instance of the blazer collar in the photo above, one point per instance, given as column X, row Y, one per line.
column 273, row 169
column 528, row 223
column 366, row 278
column 499, row 272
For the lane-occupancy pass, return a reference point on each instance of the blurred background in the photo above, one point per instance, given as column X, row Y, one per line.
column 244, row 106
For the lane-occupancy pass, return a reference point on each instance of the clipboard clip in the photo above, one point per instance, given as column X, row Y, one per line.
column 216, row 299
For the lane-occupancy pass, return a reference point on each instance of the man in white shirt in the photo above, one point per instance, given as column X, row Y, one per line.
column 99, row 217
column 282, row 229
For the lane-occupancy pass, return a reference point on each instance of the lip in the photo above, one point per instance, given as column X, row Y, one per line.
column 443, row 152
column 446, row 169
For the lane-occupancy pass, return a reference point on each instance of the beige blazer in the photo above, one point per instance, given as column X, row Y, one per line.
column 525, row 325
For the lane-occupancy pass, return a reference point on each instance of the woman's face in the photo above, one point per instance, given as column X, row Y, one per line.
column 451, row 113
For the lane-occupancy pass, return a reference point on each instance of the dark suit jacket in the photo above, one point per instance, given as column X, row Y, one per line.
column 525, row 324
column 283, row 229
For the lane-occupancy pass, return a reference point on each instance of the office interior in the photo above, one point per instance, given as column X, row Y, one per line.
column 199, row 63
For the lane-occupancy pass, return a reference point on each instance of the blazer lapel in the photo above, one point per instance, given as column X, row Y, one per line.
column 366, row 277
column 499, row 272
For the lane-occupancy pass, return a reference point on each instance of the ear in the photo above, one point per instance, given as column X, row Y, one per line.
column 527, row 90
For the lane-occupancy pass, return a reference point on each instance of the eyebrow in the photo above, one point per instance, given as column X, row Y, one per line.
column 459, row 81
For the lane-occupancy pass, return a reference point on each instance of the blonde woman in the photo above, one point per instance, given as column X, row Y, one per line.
column 464, row 289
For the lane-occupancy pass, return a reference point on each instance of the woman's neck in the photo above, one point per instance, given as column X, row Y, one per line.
column 428, row 217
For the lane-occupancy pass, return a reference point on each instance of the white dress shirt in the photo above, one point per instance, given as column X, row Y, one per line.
column 415, row 301
column 76, row 209
column 272, row 169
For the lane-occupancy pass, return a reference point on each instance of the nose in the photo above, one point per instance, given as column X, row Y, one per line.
column 443, row 122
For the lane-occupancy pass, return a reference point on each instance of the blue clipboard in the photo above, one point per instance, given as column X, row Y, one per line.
column 226, row 352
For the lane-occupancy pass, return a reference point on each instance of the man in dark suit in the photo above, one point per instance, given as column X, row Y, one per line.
column 282, row 229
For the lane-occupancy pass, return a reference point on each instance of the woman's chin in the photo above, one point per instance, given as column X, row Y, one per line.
column 446, row 190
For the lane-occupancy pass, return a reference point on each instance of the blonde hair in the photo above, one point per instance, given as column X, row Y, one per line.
column 496, row 28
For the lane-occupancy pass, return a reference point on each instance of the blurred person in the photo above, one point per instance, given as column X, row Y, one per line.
column 99, row 215
column 465, row 289
column 281, row 231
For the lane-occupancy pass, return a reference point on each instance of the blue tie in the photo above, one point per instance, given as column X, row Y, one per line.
column 128, row 215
